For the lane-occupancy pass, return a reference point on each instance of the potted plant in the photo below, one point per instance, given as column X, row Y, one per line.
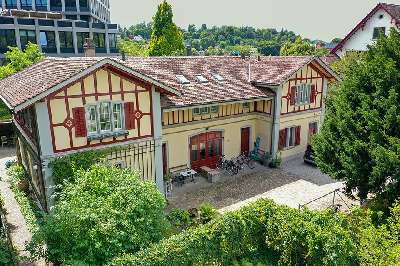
column 276, row 162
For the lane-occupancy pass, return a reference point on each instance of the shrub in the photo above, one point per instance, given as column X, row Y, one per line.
column 180, row 219
column 219, row 242
column 105, row 212
column 64, row 168
column 207, row 213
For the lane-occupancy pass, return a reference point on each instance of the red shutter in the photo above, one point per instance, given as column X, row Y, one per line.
column 282, row 138
column 313, row 94
column 293, row 95
column 129, row 115
column 298, row 138
column 80, row 122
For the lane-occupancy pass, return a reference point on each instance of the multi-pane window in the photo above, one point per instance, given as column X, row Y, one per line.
column 11, row 4
column 66, row 41
column 48, row 41
column 105, row 117
column 378, row 31
column 92, row 119
column 290, row 139
column 41, row 4
column 83, row 3
column 70, row 4
column 81, row 38
column 113, row 40
column 246, row 105
column 214, row 109
column 118, row 114
column 26, row 4
column 7, row 38
column 303, row 94
column 27, row 36
column 55, row 4
column 99, row 40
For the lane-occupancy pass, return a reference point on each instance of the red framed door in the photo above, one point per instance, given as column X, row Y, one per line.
column 245, row 141
column 205, row 149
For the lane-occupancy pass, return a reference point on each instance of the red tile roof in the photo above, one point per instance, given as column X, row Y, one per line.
column 393, row 10
column 32, row 82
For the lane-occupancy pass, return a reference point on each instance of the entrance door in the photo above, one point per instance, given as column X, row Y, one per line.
column 205, row 149
column 245, row 141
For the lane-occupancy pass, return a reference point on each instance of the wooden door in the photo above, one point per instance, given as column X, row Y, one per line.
column 245, row 141
column 205, row 149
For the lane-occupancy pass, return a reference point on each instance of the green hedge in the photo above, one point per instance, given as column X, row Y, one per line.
column 286, row 236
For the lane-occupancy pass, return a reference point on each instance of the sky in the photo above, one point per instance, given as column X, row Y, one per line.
column 314, row 19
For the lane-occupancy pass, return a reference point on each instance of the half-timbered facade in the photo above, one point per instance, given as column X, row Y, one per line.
column 165, row 114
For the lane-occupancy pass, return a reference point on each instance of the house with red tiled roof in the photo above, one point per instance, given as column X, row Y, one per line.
column 379, row 21
column 164, row 114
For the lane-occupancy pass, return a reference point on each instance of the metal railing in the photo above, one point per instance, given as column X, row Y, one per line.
column 336, row 193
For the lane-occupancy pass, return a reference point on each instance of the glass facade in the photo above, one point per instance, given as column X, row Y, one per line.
column 81, row 37
column 48, row 41
column 100, row 42
column 7, row 38
column 55, row 5
column 66, row 42
column 26, row 4
column 11, row 4
column 41, row 4
column 70, row 5
column 27, row 36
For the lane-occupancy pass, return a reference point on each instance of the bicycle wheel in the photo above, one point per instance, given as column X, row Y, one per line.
column 251, row 164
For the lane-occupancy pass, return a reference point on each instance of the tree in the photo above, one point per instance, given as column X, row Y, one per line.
column 17, row 60
column 132, row 48
column 104, row 212
column 360, row 139
column 301, row 47
column 166, row 37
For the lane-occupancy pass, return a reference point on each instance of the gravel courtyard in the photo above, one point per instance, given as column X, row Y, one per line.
column 293, row 184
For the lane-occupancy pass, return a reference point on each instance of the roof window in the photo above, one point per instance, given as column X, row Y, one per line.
column 201, row 79
column 218, row 77
column 182, row 79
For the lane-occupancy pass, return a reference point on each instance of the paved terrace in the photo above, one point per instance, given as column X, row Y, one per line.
column 293, row 184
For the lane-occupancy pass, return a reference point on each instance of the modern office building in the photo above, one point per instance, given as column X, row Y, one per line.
column 59, row 27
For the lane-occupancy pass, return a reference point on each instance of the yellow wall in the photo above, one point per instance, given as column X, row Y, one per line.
column 177, row 137
column 73, row 95
column 224, row 110
column 303, row 120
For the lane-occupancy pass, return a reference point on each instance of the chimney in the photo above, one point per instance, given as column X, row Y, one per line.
column 258, row 57
column 89, row 47
column 123, row 56
column 188, row 50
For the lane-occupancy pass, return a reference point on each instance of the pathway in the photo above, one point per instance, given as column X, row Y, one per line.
column 19, row 233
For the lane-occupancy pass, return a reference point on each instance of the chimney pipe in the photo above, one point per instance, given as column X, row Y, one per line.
column 188, row 50
column 89, row 47
column 123, row 56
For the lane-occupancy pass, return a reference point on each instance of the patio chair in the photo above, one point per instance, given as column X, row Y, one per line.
column 4, row 141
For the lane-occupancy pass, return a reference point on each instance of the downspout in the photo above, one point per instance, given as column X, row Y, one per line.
column 276, row 119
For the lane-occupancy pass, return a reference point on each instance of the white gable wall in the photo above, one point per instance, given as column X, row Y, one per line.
column 363, row 37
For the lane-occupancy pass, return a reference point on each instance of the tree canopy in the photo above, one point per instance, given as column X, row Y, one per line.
column 360, row 138
column 301, row 47
column 166, row 37
column 17, row 60
column 132, row 48
column 103, row 213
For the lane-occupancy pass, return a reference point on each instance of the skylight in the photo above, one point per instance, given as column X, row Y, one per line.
column 182, row 79
column 218, row 77
column 201, row 79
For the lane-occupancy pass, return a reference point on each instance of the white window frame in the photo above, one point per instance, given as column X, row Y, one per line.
column 205, row 110
column 214, row 109
column 97, row 107
column 303, row 94
column 196, row 111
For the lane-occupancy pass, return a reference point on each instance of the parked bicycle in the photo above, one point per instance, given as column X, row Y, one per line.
column 231, row 166
column 244, row 159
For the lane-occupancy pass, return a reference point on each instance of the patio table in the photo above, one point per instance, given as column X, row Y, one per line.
column 190, row 173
